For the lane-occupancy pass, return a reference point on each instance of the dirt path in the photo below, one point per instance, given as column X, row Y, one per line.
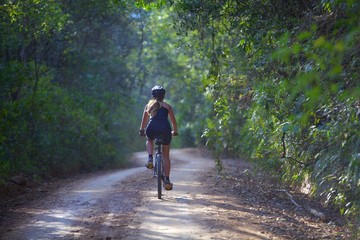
column 124, row 205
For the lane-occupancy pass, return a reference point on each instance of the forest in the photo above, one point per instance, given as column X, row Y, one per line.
column 274, row 82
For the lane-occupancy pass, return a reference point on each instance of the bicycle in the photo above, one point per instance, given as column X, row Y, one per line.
column 159, row 164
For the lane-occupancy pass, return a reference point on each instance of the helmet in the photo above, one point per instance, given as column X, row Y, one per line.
column 158, row 92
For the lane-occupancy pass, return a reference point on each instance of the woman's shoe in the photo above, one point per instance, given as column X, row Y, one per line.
column 167, row 184
column 150, row 164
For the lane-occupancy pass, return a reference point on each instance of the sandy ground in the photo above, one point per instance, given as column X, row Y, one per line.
column 239, row 204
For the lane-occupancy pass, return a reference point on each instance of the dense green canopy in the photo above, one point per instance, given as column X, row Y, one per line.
column 276, row 82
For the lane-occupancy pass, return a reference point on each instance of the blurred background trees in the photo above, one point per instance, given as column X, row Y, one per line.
column 66, row 103
column 275, row 82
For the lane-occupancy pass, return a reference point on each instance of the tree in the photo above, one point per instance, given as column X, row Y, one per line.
column 283, row 78
column 65, row 86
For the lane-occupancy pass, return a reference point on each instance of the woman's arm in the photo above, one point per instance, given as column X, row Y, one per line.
column 144, row 121
column 172, row 119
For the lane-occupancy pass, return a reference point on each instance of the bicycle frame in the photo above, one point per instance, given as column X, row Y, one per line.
column 159, row 164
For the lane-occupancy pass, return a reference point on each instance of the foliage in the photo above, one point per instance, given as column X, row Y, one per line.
column 284, row 82
column 64, row 86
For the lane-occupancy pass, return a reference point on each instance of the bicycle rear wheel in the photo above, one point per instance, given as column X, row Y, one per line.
column 159, row 173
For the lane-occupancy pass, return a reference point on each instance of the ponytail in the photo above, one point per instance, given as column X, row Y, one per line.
column 152, row 107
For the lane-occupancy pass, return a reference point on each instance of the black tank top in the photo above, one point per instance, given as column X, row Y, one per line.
column 160, row 125
column 161, row 115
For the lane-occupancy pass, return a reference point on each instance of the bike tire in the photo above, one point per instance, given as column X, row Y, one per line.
column 159, row 174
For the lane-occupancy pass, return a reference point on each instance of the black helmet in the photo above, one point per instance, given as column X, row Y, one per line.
column 158, row 92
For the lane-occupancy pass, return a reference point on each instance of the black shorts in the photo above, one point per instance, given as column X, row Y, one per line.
column 156, row 130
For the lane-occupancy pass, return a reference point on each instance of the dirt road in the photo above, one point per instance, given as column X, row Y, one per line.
column 124, row 205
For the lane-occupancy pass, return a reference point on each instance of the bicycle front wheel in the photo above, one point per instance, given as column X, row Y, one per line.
column 159, row 174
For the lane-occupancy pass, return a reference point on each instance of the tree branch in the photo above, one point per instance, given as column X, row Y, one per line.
column 284, row 152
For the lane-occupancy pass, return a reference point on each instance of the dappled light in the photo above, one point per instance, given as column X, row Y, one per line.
column 202, row 205
column 273, row 83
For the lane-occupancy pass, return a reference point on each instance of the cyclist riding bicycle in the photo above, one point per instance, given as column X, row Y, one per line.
column 155, row 122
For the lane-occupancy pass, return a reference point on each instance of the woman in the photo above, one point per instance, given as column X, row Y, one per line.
column 156, row 120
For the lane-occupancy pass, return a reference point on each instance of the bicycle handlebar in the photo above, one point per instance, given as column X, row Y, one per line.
column 142, row 132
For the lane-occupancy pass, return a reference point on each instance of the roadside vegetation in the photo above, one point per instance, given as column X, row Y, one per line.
column 274, row 82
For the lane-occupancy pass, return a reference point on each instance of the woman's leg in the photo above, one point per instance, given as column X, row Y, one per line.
column 150, row 150
column 167, row 164
column 150, row 146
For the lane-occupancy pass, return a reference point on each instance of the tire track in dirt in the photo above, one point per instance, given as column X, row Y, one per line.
column 73, row 211
column 191, row 210
column 123, row 204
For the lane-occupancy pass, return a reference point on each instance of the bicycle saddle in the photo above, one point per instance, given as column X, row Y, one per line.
column 159, row 140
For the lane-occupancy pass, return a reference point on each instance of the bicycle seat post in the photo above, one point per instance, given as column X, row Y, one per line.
column 159, row 141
